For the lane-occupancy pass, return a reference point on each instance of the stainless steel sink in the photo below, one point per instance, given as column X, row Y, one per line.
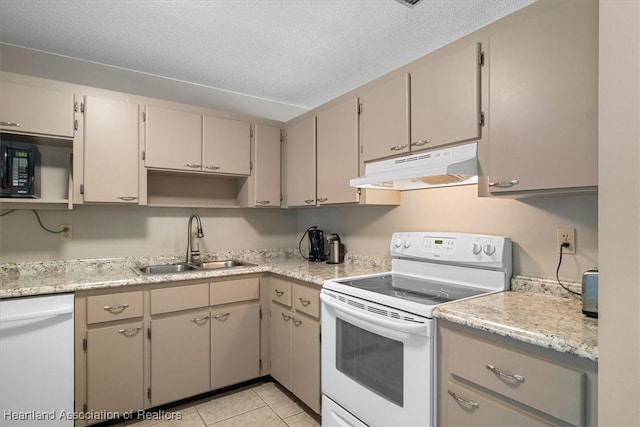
column 183, row 267
column 226, row 263
column 179, row 267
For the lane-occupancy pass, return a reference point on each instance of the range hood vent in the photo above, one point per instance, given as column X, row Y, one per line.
column 451, row 166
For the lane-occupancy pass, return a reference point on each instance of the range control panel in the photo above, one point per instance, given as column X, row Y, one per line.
column 458, row 248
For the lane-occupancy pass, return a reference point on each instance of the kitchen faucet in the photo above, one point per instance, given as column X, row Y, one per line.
column 193, row 255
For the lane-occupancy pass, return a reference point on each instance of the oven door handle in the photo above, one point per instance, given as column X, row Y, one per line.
column 360, row 316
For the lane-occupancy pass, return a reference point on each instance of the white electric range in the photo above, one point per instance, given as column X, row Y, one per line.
column 378, row 349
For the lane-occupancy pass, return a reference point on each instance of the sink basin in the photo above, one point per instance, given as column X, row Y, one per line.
column 179, row 267
column 226, row 263
column 182, row 267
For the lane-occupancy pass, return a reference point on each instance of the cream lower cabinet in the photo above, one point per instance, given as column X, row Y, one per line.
column 295, row 340
column 485, row 379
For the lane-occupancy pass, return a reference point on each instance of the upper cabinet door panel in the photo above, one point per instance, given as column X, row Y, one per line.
column 543, row 112
column 337, row 146
column 111, row 133
column 384, row 119
column 445, row 99
column 226, row 146
column 267, row 167
column 173, row 139
column 300, row 163
column 36, row 110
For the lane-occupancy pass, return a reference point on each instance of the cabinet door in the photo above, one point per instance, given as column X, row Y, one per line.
column 111, row 133
column 179, row 357
column 173, row 139
column 235, row 345
column 280, row 340
column 384, row 119
column 306, row 360
column 226, row 146
column 36, row 110
column 543, row 113
column 445, row 99
column 114, row 368
column 267, row 165
column 338, row 152
column 300, row 163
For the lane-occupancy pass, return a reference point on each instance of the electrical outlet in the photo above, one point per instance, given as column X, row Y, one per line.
column 567, row 235
column 68, row 233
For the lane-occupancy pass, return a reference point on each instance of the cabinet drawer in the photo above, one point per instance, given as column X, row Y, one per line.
column 281, row 291
column 554, row 389
column 235, row 291
column 307, row 300
column 105, row 308
column 465, row 407
column 179, row 298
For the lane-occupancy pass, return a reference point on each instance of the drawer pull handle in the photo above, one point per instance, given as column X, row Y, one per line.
column 469, row 403
column 504, row 184
column 398, row 147
column 511, row 377
column 304, row 302
column 200, row 320
column 420, row 143
column 213, row 168
column 279, row 293
column 116, row 309
column 3, row 123
column 221, row 317
column 285, row 317
column 127, row 198
column 297, row 322
column 322, row 199
column 309, row 201
column 129, row 332
column 263, row 202
column 193, row 165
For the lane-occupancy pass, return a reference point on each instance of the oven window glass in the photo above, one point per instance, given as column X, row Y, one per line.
column 373, row 361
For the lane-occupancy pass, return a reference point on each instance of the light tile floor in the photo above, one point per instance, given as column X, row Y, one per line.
column 264, row 404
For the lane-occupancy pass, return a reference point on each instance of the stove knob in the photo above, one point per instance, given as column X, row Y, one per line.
column 489, row 249
column 397, row 242
column 407, row 243
column 476, row 248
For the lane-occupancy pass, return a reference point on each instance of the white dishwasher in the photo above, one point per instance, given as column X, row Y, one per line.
column 36, row 361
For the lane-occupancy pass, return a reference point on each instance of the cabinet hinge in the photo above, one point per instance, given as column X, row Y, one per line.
column 75, row 125
column 149, row 393
column 260, row 364
column 481, row 119
column 281, row 137
column 250, row 132
column 84, row 344
column 359, row 191
column 75, row 107
column 85, row 408
column 281, row 197
column 144, row 116
column 81, row 188
column 481, row 59
column 359, row 109
column 82, row 107
column 250, row 165
column 144, row 154
column 361, row 149
column 149, row 333
column 261, row 319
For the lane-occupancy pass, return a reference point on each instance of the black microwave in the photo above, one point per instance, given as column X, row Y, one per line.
column 19, row 169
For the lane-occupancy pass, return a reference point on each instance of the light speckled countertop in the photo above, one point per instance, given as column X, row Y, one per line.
column 537, row 312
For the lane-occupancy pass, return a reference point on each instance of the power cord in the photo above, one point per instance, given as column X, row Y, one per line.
column 563, row 245
column 313, row 227
column 39, row 221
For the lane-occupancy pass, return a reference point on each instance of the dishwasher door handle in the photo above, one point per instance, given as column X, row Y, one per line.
column 36, row 314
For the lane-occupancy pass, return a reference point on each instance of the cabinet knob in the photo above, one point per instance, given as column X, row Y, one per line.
column 504, row 184
column 399, row 147
column 14, row 124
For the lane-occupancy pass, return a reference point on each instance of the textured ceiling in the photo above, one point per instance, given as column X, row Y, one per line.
column 298, row 52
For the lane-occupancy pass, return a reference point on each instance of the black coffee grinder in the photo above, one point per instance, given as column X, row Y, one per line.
column 316, row 244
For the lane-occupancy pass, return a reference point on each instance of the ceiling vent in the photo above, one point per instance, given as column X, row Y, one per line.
column 409, row 3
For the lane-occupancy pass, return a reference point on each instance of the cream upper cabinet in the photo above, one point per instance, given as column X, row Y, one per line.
column 267, row 165
column 173, row 139
column 300, row 163
column 337, row 150
column 543, row 111
column 225, row 146
column 445, row 99
column 31, row 109
column 111, row 135
column 384, row 119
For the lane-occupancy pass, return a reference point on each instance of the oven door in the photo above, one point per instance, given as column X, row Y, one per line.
column 377, row 362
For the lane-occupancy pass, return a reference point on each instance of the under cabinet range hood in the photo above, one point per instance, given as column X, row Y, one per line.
column 450, row 166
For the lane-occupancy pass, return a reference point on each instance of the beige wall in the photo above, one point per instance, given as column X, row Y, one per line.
column 531, row 224
column 619, row 210
column 104, row 231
